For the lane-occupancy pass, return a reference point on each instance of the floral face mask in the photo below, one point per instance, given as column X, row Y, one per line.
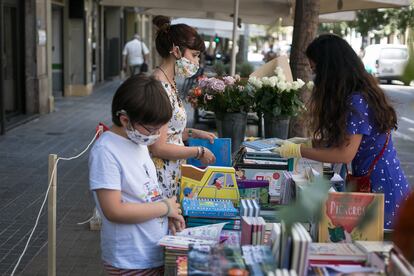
column 138, row 138
column 185, row 68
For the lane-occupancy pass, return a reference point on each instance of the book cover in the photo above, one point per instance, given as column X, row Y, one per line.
column 211, row 182
column 221, row 148
column 247, row 225
column 342, row 214
column 336, row 252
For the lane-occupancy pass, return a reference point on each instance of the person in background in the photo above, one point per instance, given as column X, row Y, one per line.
column 135, row 54
column 123, row 180
column 179, row 46
column 270, row 54
column 351, row 120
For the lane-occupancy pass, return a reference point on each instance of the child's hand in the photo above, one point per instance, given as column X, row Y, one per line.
column 175, row 209
column 176, row 225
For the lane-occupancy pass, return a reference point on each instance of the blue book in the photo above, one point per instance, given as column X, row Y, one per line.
column 221, row 149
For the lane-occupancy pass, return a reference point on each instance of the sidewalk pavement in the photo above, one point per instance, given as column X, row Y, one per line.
column 23, row 182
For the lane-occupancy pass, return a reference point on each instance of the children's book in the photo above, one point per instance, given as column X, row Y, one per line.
column 203, row 235
column 342, row 214
column 212, row 182
column 221, row 148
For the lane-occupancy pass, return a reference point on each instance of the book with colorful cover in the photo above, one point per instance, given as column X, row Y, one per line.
column 212, row 182
column 342, row 214
column 221, row 148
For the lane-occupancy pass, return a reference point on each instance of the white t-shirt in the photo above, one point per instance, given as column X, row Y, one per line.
column 133, row 50
column 116, row 163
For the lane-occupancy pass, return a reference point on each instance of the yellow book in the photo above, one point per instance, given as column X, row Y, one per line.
column 211, row 182
column 342, row 214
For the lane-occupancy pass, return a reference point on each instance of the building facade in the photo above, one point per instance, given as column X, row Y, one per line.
column 59, row 48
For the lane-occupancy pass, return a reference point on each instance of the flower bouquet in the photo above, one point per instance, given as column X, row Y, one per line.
column 278, row 100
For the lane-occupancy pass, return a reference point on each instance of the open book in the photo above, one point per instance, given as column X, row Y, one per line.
column 203, row 235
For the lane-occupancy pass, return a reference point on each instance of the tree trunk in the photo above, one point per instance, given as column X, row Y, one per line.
column 305, row 28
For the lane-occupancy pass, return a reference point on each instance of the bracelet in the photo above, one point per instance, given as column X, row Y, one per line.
column 190, row 132
column 199, row 150
column 168, row 207
column 203, row 151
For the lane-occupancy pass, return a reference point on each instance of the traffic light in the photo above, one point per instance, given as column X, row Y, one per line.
column 217, row 39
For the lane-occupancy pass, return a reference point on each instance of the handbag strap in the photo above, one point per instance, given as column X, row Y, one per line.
column 377, row 158
column 371, row 168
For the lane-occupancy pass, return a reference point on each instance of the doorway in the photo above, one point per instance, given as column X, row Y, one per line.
column 12, row 73
column 57, row 51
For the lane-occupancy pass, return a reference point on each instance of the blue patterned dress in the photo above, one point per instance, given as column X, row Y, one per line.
column 387, row 176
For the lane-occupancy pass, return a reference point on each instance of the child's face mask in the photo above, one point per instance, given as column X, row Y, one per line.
column 138, row 138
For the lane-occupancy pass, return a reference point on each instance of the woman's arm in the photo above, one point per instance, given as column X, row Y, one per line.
column 342, row 154
column 198, row 133
column 123, row 212
column 164, row 150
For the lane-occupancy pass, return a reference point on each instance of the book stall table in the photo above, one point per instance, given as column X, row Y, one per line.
column 234, row 228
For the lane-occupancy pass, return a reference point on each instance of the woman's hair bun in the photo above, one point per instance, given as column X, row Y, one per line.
column 161, row 21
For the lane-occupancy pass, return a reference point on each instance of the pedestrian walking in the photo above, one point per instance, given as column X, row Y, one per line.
column 351, row 119
column 179, row 46
column 123, row 179
column 135, row 56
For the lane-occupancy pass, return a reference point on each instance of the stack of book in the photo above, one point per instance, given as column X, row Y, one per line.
column 207, row 207
column 336, row 254
column 171, row 256
column 258, row 259
column 249, row 208
column 290, row 251
column 178, row 245
column 398, row 264
column 230, row 223
column 253, row 230
column 182, row 266
column 217, row 260
column 287, row 189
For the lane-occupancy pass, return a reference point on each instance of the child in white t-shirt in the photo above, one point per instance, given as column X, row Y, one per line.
column 135, row 215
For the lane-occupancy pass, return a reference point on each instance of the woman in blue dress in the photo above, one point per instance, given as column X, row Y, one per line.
column 350, row 120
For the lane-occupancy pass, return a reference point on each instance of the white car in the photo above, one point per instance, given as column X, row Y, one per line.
column 386, row 61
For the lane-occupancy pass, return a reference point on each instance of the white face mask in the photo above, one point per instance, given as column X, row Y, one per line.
column 139, row 138
column 185, row 68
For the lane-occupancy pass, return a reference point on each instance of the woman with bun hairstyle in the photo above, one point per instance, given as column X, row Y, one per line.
column 179, row 46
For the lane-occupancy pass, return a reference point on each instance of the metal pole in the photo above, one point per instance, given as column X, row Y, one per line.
column 234, row 37
column 51, row 214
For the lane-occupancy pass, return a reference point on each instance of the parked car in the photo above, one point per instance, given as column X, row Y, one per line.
column 386, row 61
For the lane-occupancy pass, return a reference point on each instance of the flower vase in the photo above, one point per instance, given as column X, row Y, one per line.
column 232, row 125
column 276, row 126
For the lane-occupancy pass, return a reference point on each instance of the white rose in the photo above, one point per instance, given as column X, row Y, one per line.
column 295, row 85
column 281, row 85
column 266, row 81
column 252, row 80
column 289, row 86
column 273, row 81
column 282, row 78
column 310, row 85
column 301, row 83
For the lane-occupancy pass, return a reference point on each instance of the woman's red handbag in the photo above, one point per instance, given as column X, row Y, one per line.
column 362, row 184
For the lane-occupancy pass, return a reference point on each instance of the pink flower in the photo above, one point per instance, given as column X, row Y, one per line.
column 217, row 85
column 228, row 80
column 203, row 82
